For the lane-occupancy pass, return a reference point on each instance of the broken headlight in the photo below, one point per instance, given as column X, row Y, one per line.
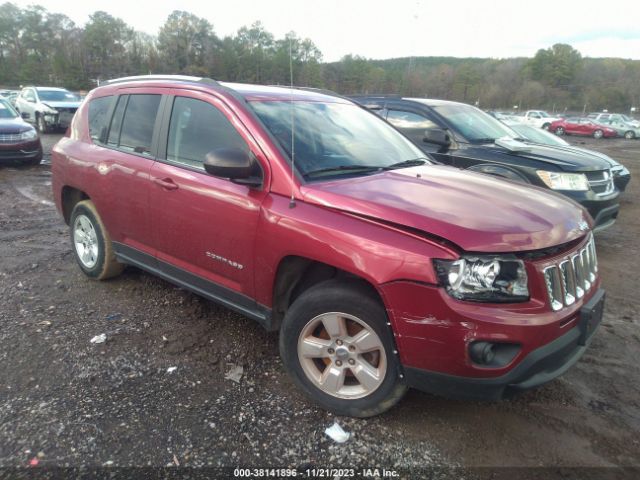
column 484, row 279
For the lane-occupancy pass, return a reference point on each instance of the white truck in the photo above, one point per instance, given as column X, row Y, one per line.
column 537, row 118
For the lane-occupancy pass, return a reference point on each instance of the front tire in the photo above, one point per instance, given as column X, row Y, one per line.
column 598, row 134
column 91, row 243
column 41, row 124
column 335, row 343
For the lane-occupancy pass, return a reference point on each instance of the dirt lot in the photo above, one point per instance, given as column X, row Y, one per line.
column 67, row 402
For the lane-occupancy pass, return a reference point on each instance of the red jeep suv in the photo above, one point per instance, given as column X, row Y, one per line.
column 316, row 218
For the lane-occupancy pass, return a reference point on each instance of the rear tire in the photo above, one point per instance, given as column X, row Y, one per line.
column 91, row 243
column 630, row 135
column 335, row 343
column 559, row 131
column 546, row 126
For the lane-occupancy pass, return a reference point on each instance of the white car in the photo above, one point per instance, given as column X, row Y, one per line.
column 47, row 107
column 536, row 118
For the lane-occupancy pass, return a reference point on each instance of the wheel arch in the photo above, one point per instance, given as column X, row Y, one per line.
column 296, row 274
column 70, row 196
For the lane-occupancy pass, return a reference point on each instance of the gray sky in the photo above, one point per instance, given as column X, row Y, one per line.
column 385, row 29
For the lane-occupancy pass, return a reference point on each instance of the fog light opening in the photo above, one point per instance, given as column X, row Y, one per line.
column 491, row 354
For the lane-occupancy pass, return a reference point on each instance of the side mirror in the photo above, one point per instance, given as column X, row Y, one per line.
column 235, row 164
column 437, row 136
column 24, row 115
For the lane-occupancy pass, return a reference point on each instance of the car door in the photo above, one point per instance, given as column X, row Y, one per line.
column 124, row 154
column 204, row 226
column 572, row 127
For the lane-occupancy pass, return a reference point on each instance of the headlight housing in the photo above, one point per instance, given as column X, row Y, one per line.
column 29, row 135
column 564, row 181
column 48, row 110
column 484, row 279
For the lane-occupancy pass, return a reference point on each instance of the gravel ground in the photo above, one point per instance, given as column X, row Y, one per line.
column 156, row 393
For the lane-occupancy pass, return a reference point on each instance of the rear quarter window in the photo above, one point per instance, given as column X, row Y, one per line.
column 99, row 109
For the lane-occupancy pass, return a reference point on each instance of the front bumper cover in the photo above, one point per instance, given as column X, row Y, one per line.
column 537, row 368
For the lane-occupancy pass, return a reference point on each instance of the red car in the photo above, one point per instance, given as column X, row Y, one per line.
column 582, row 126
column 315, row 217
column 19, row 141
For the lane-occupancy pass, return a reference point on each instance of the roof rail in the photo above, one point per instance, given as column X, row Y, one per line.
column 376, row 95
column 322, row 91
column 143, row 78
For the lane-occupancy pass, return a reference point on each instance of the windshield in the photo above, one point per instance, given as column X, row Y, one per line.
column 475, row 125
column 544, row 114
column 6, row 110
column 57, row 96
column 335, row 138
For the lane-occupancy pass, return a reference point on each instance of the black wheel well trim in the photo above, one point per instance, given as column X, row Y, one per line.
column 296, row 274
column 70, row 196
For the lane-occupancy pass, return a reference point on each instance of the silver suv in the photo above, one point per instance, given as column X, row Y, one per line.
column 47, row 107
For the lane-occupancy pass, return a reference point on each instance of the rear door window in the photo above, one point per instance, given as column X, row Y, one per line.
column 138, row 123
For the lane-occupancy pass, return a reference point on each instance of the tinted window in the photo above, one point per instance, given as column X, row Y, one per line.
column 409, row 120
column 197, row 128
column 98, row 120
column 116, row 121
column 139, row 120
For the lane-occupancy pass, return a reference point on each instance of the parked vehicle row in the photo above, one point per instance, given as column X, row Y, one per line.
column 381, row 269
column 465, row 137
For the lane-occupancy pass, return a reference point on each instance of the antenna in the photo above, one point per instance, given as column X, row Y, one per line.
column 292, row 201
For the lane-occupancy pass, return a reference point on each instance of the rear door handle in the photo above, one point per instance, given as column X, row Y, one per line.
column 166, row 183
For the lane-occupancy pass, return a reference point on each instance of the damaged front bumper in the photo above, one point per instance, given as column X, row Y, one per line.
column 434, row 347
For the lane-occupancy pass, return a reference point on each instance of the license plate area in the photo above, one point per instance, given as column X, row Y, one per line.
column 591, row 316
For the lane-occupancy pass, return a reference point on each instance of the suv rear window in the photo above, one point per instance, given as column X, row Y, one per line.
column 98, row 119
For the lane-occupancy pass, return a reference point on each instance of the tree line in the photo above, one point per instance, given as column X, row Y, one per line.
column 46, row 48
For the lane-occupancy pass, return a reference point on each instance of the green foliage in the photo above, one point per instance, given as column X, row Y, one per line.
column 37, row 46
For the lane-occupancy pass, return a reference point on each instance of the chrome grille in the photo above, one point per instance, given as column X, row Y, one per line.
column 571, row 278
column 601, row 182
column 10, row 137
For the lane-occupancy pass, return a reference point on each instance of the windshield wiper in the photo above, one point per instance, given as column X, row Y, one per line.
column 483, row 140
column 344, row 168
column 414, row 162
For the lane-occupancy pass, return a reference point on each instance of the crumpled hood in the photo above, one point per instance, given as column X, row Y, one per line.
column 63, row 104
column 477, row 212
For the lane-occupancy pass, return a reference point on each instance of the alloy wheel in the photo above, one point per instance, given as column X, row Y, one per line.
column 85, row 240
column 342, row 355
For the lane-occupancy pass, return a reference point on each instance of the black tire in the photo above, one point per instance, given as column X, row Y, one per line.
column 546, row 126
column 598, row 134
column 106, row 265
column 559, row 131
column 353, row 298
column 630, row 135
column 41, row 125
